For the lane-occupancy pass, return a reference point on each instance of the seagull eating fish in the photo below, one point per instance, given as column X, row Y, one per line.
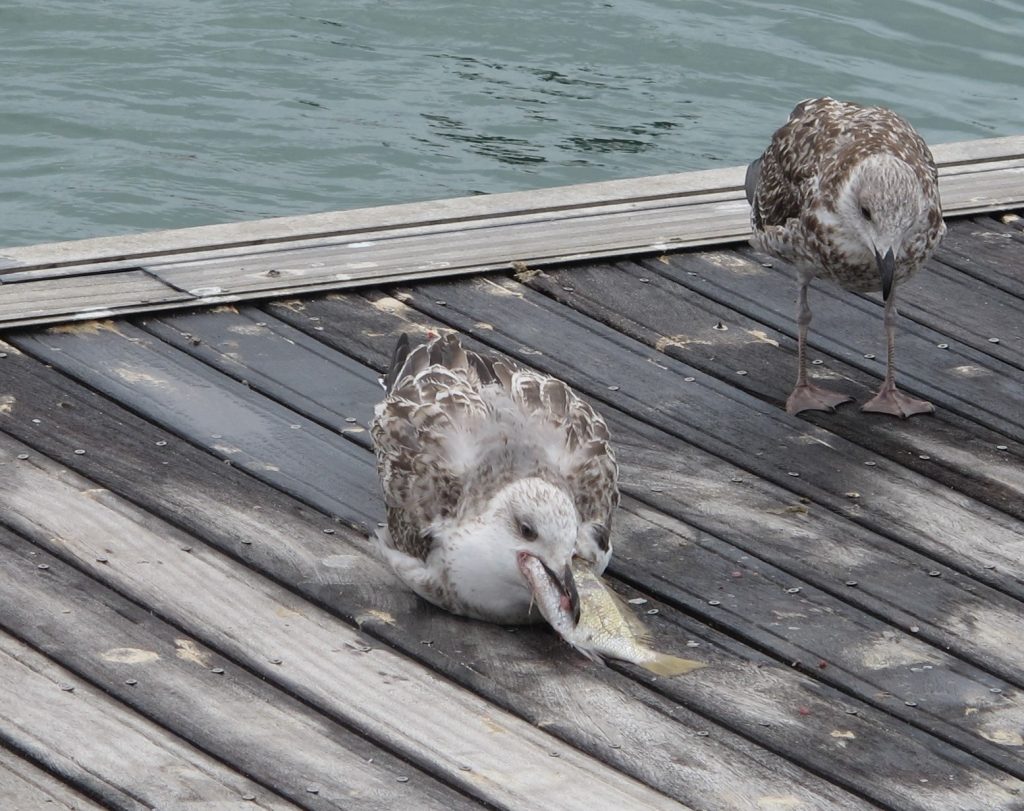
column 495, row 478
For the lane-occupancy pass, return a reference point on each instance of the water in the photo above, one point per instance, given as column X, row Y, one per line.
column 131, row 115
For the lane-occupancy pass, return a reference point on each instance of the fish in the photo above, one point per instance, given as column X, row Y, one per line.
column 607, row 628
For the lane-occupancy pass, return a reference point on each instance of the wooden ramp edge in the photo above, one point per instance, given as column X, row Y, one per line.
column 217, row 264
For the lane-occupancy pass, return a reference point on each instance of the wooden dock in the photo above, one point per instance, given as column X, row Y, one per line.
column 192, row 615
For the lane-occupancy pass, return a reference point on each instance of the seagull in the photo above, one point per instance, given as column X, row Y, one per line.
column 487, row 469
column 849, row 192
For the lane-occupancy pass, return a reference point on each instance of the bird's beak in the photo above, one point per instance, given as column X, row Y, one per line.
column 887, row 270
column 567, row 584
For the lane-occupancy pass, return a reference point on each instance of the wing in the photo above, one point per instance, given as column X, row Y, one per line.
column 788, row 167
column 581, row 453
column 433, row 392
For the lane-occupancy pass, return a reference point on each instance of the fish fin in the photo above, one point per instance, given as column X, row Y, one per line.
column 591, row 654
column 664, row 664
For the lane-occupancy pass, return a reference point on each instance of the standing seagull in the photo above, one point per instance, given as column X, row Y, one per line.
column 851, row 192
column 486, row 466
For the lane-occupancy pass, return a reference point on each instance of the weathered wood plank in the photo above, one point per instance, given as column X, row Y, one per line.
column 84, row 296
column 302, row 648
column 720, row 341
column 450, row 211
column 977, row 687
column 378, row 259
column 104, row 750
column 278, row 360
column 373, row 259
column 776, row 689
column 972, row 384
column 878, row 662
column 985, row 152
column 985, row 252
column 386, row 235
column 261, row 359
column 741, row 680
column 987, row 319
column 186, row 396
column 170, row 679
column 22, row 785
column 526, row 672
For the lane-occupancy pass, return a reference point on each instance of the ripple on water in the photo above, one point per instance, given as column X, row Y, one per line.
column 127, row 116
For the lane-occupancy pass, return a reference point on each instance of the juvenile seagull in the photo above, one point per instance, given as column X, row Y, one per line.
column 851, row 192
column 484, row 467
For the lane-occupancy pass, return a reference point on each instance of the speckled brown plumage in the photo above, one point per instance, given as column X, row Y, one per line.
column 843, row 191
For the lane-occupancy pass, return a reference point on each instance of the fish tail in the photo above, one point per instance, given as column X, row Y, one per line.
column 664, row 664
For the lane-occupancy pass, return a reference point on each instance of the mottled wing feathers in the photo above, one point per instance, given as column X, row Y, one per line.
column 584, row 457
column 456, row 425
column 810, row 168
column 430, row 391
column 751, row 179
column 813, row 153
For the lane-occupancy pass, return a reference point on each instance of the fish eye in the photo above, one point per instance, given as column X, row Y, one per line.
column 527, row 531
column 865, row 213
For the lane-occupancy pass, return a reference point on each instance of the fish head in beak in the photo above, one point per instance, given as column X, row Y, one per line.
column 544, row 579
column 887, row 270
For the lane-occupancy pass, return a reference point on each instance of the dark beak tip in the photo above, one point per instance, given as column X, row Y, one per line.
column 887, row 271
column 567, row 583
column 569, row 586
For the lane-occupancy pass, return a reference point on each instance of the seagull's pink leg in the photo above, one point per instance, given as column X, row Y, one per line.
column 890, row 400
column 806, row 396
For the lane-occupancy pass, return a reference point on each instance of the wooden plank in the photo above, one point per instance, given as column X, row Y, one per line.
column 372, row 255
column 372, row 259
column 589, row 708
column 151, row 667
column 991, row 190
column 978, row 314
column 264, row 357
column 84, row 296
column 681, row 323
column 278, row 360
column 984, row 252
column 879, row 663
column 455, row 210
column 700, row 217
column 118, row 758
column 969, row 383
column 385, row 235
column 984, row 149
column 302, row 648
column 22, row 785
column 716, row 417
column 186, row 396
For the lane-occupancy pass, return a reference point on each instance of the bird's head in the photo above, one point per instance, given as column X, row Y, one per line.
column 878, row 207
column 538, row 520
column 525, row 522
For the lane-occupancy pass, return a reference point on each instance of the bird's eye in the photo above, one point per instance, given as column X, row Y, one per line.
column 527, row 531
column 866, row 213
